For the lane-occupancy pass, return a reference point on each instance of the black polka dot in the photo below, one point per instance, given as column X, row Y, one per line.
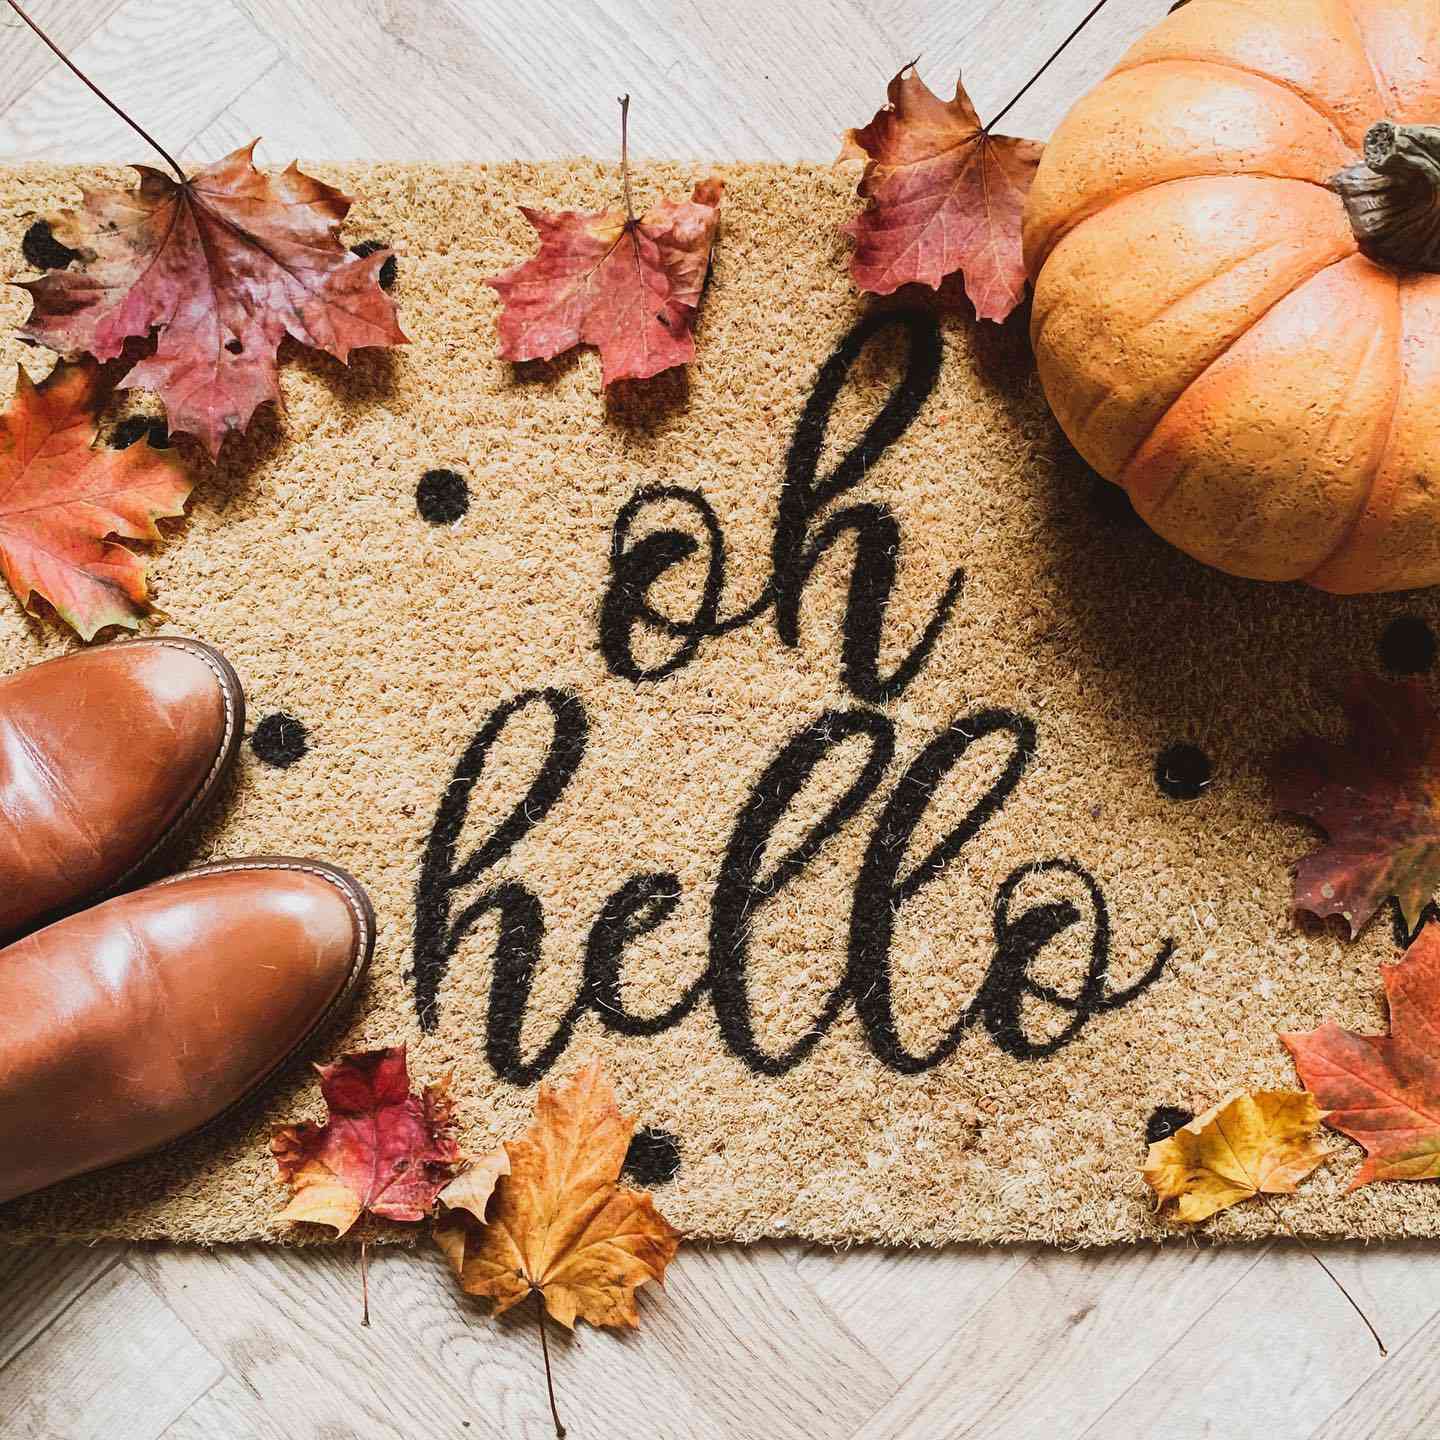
column 280, row 740
column 653, row 1157
column 138, row 427
column 43, row 250
column 388, row 270
column 442, row 496
column 1165, row 1120
column 1407, row 646
column 1182, row 771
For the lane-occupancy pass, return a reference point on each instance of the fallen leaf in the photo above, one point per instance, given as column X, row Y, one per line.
column 1384, row 1090
column 472, row 1188
column 1376, row 796
column 382, row 1151
column 60, row 498
column 559, row 1223
column 943, row 195
column 629, row 287
column 1254, row 1144
column 222, row 267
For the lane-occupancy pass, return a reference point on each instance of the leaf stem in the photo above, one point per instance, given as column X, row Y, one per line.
column 545, row 1350
column 1025, row 88
column 75, row 70
column 365, row 1283
column 624, row 101
column 1333, row 1277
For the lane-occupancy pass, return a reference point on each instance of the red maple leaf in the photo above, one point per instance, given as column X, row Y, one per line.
column 945, row 195
column 61, row 500
column 629, row 287
column 382, row 1151
column 1376, row 796
column 223, row 267
column 1384, row 1090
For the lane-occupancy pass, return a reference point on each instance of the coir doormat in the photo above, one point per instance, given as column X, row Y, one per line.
column 806, row 733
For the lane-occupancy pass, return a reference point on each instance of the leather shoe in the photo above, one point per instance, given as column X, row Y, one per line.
column 153, row 1014
column 104, row 755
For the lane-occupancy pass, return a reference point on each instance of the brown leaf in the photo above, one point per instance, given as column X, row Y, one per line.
column 60, row 499
column 558, row 1222
column 1258, row 1144
column 1377, row 797
column 382, row 1151
column 1384, row 1090
column 944, row 196
column 222, row 267
column 628, row 287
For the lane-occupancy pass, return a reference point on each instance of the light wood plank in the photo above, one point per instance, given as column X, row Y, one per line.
column 288, row 115
column 69, row 23
column 119, row 1359
column 1401, row 1399
column 229, row 1411
column 1281, row 1350
column 174, row 66
column 38, row 1285
column 905, row 1304
column 1053, row 1349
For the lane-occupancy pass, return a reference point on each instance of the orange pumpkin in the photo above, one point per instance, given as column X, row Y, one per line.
column 1234, row 241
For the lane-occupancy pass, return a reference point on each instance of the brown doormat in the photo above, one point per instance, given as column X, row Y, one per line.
column 805, row 734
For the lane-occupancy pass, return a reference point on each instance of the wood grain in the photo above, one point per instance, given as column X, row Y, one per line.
column 771, row 1342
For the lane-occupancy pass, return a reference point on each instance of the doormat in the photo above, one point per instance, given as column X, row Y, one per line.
column 807, row 733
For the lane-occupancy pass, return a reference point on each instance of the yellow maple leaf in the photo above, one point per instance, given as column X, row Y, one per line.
column 558, row 1223
column 1263, row 1143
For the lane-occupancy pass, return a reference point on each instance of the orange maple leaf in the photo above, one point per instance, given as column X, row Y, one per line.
column 945, row 195
column 60, row 500
column 223, row 266
column 382, row 1151
column 558, row 1223
column 629, row 287
column 1384, row 1090
column 1377, row 797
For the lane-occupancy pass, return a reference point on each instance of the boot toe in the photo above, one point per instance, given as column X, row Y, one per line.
column 153, row 1014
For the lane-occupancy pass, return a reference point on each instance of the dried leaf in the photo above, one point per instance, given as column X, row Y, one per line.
column 382, row 1151
column 1377, row 797
column 558, row 1222
column 223, row 267
column 1384, row 1090
column 472, row 1188
column 628, row 287
column 944, row 196
column 60, row 499
column 1262, row 1143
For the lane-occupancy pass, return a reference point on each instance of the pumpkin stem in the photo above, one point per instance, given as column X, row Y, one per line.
column 1393, row 197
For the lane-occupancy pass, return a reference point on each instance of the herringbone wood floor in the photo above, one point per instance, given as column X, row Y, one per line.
column 764, row 1343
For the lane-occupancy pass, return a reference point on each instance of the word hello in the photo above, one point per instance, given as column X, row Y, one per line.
column 807, row 525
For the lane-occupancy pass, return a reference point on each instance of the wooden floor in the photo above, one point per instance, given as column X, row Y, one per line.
column 764, row 1343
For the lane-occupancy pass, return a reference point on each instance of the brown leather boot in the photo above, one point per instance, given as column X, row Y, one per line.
column 104, row 755
column 131, row 1024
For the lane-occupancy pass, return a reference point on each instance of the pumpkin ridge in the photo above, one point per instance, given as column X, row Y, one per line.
column 1119, row 198
column 1385, row 435
column 1385, row 90
column 1311, row 102
column 1154, row 502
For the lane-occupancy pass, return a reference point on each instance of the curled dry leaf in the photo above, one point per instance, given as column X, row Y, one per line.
column 558, row 1222
column 223, row 267
column 1255, row 1144
column 1384, row 1090
column 629, row 287
column 60, row 500
column 1376, row 796
column 383, row 1150
column 944, row 195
